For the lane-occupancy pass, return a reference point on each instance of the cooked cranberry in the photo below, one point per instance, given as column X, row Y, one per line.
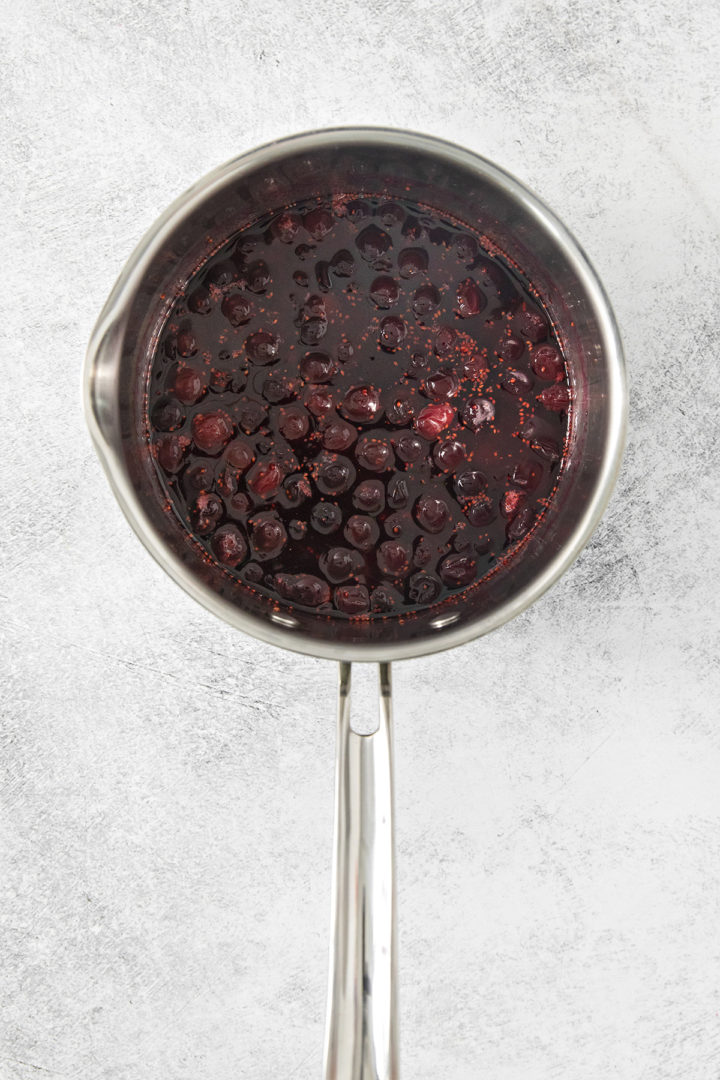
column 431, row 513
column 400, row 409
column 236, row 309
column 340, row 563
column 264, row 479
column 391, row 214
column 398, row 494
column 511, row 349
column 325, row 517
column 398, row 524
column 471, row 300
column 392, row 332
column 409, row 448
column 412, row 229
column 374, row 453
column 425, row 299
column 547, row 363
column 445, row 341
column 412, row 261
column 533, row 326
column 317, row 367
column 521, row 524
column 262, row 348
column 293, row 422
column 469, row 483
column 457, row 571
column 393, row 559
column 322, row 275
column 319, row 400
column 548, row 449
column 424, row 588
column 167, row 415
column 268, row 536
column 252, row 572
column 423, row 554
column 555, row 398
column 197, row 478
column 278, row 388
column 352, row 599
column 207, row 512
column 480, row 511
column 511, row 502
column 526, row 475
column 433, row 419
column 516, row 383
column 384, row 600
column 369, row 497
column 466, row 248
column 211, row 431
column 313, row 329
column 286, row 227
column 250, row 415
column 304, row 589
column 229, row 545
column 361, row 405
column 477, row 411
column 373, row 243
column 258, row 277
column 441, row 384
column 449, row 454
column 335, row 474
column 318, row 222
column 337, row 435
column 362, row 532
column 228, row 480
column 199, row 301
column 297, row 489
column 384, row 291
column 186, row 343
column 342, row 264
column 461, row 540
column 239, row 454
column 417, row 364
column 301, row 278
column 222, row 273
column 239, row 381
column 171, row 451
column 297, row 529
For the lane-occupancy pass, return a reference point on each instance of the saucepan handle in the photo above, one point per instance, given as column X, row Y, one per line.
column 361, row 1038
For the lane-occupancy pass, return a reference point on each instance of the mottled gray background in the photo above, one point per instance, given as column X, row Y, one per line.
column 168, row 790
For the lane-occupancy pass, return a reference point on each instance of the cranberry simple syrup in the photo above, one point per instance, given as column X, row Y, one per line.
column 355, row 407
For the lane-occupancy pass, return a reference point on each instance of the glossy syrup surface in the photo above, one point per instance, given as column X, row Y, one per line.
column 355, row 407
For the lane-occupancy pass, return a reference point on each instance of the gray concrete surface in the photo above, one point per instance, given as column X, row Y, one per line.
column 168, row 784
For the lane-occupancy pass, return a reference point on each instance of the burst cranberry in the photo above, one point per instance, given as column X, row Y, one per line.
column 516, row 383
column 547, row 363
column 393, row 559
column 362, row 532
column 409, row 448
column 186, row 343
column 475, row 367
column 398, row 495
column 236, row 309
column 391, row 214
column 480, row 511
column 466, row 248
column 342, row 264
column 199, row 301
column 335, row 474
column 521, row 524
column 425, row 300
column 383, row 600
column 526, row 475
column 222, row 273
column 423, row 554
column 250, row 415
column 533, row 326
column 384, row 291
column 325, row 517
column 167, row 415
column 264, row 479
column 278, row 388
column 548, row 449
column 392, row 332
column 304, row 589
column 297, row 490
column 198, row 477
column 369, row 497
column 286, row 227
column 313, row 329
column 229, row 545
column 511, row 349
column 262, row 348
column 431, row 513
column 361, row 405
column 340, row 563
column 555, row 398
column 433, row 419
column 352, row 599
column 374, row 453
column 471, row 300
column 171, row 451
column 373, row 243
column 293, row 422
column 445, row 341
column 511, row 502
column 211, row 431
column 207, row 512
column 469, row 483
column 424, row 588
column 317, row 367
column 457, row 571
column 400, row 409
column 478, row 411
column 449, row 454
column 268, row 536
column 318, row 222
column 412, row 261
column 258, row 277
column 441, row 384
column 337, row 435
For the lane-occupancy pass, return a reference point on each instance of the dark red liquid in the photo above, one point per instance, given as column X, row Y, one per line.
column 356, row 408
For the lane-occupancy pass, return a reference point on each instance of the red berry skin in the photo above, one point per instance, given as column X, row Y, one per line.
column 171, row 451
column 211, row 431
column 431, row 513
column 229, row 546
column 511, row 503
column 264, row 479
column 190, row 385
column 555, row 398
column 305, row 589
column 457, row 571
column 433, row 419
column 521, row 524
column 393, row 559
column 547, row 363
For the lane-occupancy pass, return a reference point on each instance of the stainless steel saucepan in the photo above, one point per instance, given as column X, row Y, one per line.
column 361, row 1034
